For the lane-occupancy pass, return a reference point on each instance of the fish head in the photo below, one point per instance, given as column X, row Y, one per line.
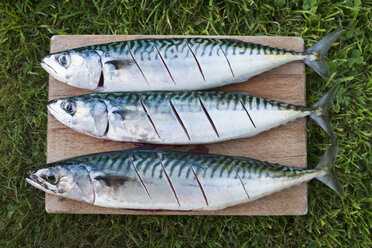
column 70, row 181
column 84, row 115
column 80, row 69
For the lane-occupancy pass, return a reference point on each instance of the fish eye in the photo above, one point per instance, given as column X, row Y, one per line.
column 50, row 178
column 69, row 107
column 63, row 60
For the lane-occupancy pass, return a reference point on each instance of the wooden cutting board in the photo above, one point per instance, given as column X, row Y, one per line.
column 285, row 144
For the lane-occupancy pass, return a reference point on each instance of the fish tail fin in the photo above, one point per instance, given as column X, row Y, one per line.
column 325, row 166
column 319, row 50
column 319, row 111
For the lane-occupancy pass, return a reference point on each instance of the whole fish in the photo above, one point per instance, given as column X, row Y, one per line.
column 175, row 64
column 180, row 117
column 149, row 179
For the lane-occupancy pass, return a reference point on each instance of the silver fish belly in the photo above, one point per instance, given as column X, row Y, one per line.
column 140, row 179
column 180, row 117
column 174, row 64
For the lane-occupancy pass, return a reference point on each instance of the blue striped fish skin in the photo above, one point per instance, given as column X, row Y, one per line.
column 181, row 117
column 176, row 64
column 173, row 117
column 149, row 179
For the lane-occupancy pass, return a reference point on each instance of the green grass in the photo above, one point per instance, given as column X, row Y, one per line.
column 25, row 31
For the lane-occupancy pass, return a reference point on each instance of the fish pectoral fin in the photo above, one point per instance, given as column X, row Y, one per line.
column 125, row 114
column 114, row 180
column 121, row 113
column 120, row 63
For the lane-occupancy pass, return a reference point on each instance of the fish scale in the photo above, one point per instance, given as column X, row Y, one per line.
column 149, row 179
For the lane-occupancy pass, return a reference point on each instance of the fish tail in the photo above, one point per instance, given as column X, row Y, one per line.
column 319, row 111
column 319, row 50
column 325, row 166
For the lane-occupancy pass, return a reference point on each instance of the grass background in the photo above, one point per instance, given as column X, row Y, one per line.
column 25, row 31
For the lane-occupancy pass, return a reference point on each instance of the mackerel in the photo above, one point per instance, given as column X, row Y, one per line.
column 149, row 179
column 176, row 64
column 180, row 117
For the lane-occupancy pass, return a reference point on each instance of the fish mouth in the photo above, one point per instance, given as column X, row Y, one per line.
column 58, row 115
column 34, row 181
column 53, row 112
column 46, row 66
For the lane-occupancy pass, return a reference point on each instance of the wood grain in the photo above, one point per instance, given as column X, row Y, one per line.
column 284, row 145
